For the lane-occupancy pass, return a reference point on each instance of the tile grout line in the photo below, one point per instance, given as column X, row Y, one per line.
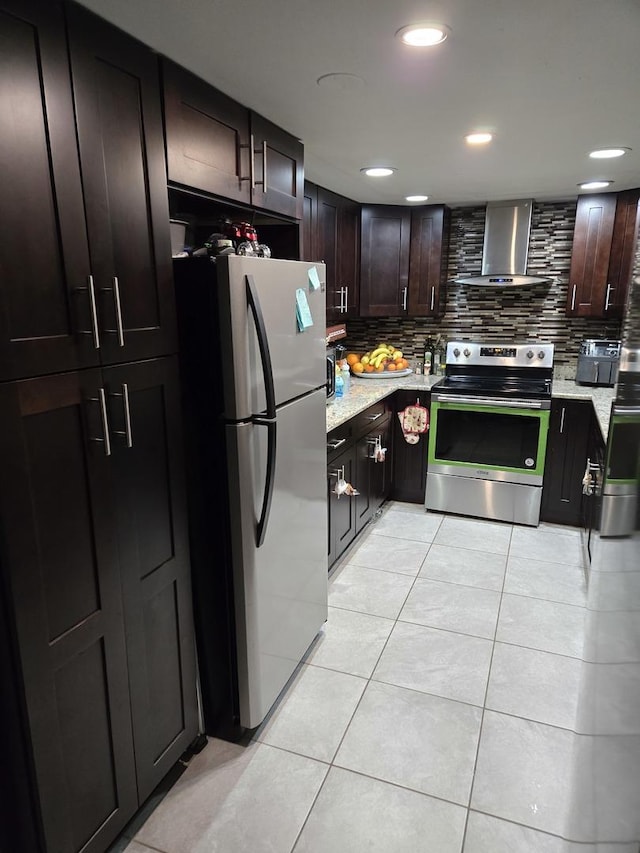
column 486, row 693
column 355, row 710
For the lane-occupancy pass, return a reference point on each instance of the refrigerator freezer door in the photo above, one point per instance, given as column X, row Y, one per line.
column 281, row 586
column 297, row 358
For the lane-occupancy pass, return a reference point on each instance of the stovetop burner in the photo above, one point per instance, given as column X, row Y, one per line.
column 496, row 386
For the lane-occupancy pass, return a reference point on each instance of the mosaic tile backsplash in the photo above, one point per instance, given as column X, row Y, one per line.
column 528, row 313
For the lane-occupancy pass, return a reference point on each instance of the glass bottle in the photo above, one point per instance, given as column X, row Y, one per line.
column 427, row 360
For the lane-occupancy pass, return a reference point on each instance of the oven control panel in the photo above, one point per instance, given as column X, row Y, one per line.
column 529, row 354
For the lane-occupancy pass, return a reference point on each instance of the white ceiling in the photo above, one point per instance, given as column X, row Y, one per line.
column 553, row 79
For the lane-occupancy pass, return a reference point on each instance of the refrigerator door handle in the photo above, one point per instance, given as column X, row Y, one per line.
column 263, row 343
column 270, row 478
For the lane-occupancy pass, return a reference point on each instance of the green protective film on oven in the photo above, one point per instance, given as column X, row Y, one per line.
column 541, row 415
column 623, row 459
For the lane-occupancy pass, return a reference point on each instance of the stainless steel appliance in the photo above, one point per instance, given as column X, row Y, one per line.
column 255, row 409
column 598, row 362
column 488, row 434
column 331, row 359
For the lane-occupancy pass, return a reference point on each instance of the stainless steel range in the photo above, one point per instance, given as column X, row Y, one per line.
column 488, row 434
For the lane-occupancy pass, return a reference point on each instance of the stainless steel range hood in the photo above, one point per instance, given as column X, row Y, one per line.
column 506, row 245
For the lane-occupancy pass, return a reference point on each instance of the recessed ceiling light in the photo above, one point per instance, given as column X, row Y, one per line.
column 378, row 171
column 478, row 138
column 607, row 153
column 423, row 35
column 594, row 185
column 416, row 197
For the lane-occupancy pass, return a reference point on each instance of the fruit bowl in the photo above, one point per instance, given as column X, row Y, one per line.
column 386, row 374
column 383, row 360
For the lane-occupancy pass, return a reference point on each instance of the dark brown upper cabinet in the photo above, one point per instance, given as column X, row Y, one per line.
column 309, row 230
column 337, row 241
column 218, row 146
column 85, row 260
column 602, row 256
column 119, row 123
column 623, row 247
column 384, row 260
column 45, row 306
column 428, row 257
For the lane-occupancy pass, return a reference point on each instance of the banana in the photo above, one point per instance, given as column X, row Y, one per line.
column 365, row 359
column 380, row 351
column 377, row 361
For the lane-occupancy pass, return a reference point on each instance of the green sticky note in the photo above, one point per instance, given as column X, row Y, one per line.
column 303, row 312
column 314, row 279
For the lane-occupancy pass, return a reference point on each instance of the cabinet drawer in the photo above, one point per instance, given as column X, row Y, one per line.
column 373, row 416
column 339, row 439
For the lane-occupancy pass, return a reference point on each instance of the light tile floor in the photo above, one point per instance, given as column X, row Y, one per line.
column 436, row 712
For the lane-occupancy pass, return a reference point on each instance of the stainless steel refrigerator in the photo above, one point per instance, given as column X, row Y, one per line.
column 253, row 372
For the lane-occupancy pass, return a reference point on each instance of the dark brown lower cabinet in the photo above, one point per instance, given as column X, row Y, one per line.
column 350, row 450
column 95, row 578
column 409, row 460
column 567, row 449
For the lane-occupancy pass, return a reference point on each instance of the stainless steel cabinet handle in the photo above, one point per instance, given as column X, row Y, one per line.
column 336, row 443
column 102, row 399
column 573, row 297
column 346, row 298
column 119, row 330
column 433, row 297
column 606, row 301
column 596, row 370
column 562, row 419
column 264, row 165
column 404, row 298
column 127, row 415
column 90, row 289
column 374, row 417
column 336, row 473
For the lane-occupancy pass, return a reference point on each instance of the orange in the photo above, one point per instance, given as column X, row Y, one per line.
column 402, row 364
column 368, row 368
column 357, row 367
column 380, row 368
column 391, row 366
column 352, row 359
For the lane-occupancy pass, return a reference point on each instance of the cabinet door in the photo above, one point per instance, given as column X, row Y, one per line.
column 409, row 460
column 45, row 311
column 565, row 462
column 278, row 159
column 590, row 255
column 349, row 256
column 59, row 556
column 428, row 261
column 328, row 215
column 118, row 110
column 342, row 508
column 623, row 246
column 380, row 473
column 207, row 136
column 310, row 223
column 384, row 260
column 148, row 473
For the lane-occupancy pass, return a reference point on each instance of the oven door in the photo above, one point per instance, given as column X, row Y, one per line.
column 502, row 440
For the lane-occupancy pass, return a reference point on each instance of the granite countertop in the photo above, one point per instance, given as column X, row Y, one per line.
column 365, row 392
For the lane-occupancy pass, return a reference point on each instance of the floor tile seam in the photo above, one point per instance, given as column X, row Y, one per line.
column 401, row 538
column 522, row 825
column 400, row 786
column 457, row 583
column 531, row 720
column 537, row 598
column 290, row 751
column 405, row 621
column 536, row 649
column 541, row 598
column 373, row 616
column 426, row 693
column 147, row 846
column 339, row 671
column 486, row 692
column 311, row 807
column 387, row 571
column 344, row 734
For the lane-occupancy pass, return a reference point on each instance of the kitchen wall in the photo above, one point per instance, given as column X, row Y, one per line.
column 531, row 312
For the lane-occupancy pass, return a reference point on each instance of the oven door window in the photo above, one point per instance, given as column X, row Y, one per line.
column 501, row 438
